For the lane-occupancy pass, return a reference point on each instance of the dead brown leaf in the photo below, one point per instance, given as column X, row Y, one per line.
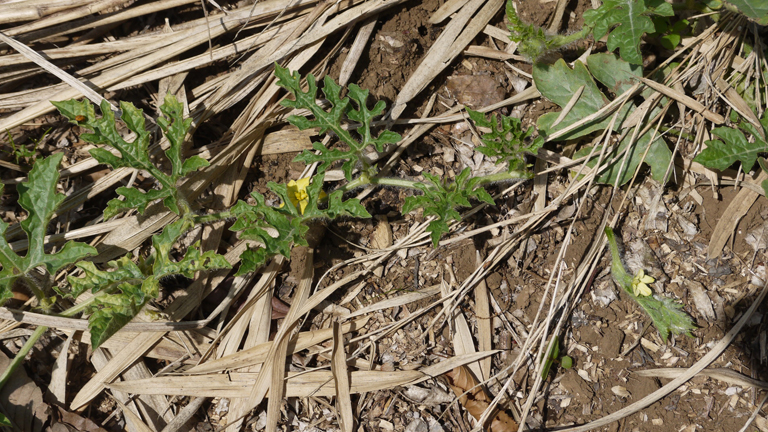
column 474, row 398
column 22, row 400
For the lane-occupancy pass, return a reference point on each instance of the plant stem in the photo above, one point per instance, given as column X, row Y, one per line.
column 364, row 180
column 618, row 271
column 213, row 217
column 500, row 177
column 33, row 338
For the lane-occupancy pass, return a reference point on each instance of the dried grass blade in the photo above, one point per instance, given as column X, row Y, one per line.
column 685, row 100
column 341, row 380
column 727, row 223
column 727, row 375
column 316, row 383
column 71, row 14
column 39, row 60
column 133, row 419
column 258, row 354
column 398, row 301
column 22, row 12
column 455, row 37
column 484, row 324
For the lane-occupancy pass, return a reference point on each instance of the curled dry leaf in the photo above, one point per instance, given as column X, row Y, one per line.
column 476, row 400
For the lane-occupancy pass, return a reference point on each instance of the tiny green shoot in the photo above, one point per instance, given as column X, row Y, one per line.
column 666, row 314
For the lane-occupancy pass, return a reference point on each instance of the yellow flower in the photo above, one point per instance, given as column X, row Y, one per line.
column 640, row 284
column 297, row 193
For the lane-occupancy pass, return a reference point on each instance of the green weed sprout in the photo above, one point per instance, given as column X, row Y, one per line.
column 553, row 356
column 666, row 314
column 21, row 152
column 135, row 154
column 506, row 142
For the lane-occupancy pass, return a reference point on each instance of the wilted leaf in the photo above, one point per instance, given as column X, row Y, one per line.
column 22, row 400
column 122, row 292
column 476, row 400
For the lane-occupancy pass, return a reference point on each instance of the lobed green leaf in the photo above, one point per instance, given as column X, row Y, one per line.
column 506, row 141
column 38, row 197
column 331, row 120
column 668, row 315
column 111, row 312
column 124, row 270
column 440, row 200
column 627, row 21
column 734, row 147
column 135, row 154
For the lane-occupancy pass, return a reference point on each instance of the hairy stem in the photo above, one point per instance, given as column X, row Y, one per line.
column 617, row 266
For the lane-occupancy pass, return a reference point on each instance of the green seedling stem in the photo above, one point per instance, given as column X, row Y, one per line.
column 25, row 349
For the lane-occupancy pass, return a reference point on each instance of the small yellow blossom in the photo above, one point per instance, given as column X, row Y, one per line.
column 640, row 284
column 297, row 193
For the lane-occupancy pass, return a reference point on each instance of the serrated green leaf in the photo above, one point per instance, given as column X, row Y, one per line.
column 558, row 83
column 126, row 287
column 331, row 120
column 254, row 221
column 123, row 270
column 630, row 20
column 667, row 315
column 287, row 223
column 193, row 163
column 134, row 199
column 135, row 154
column 734, row 147
column 194, row 261
column 38, row 197
column 175, row 127
column 440, row 199
column 506, row 140
column 756, row 10
column 111, row 312
column 658, row 158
